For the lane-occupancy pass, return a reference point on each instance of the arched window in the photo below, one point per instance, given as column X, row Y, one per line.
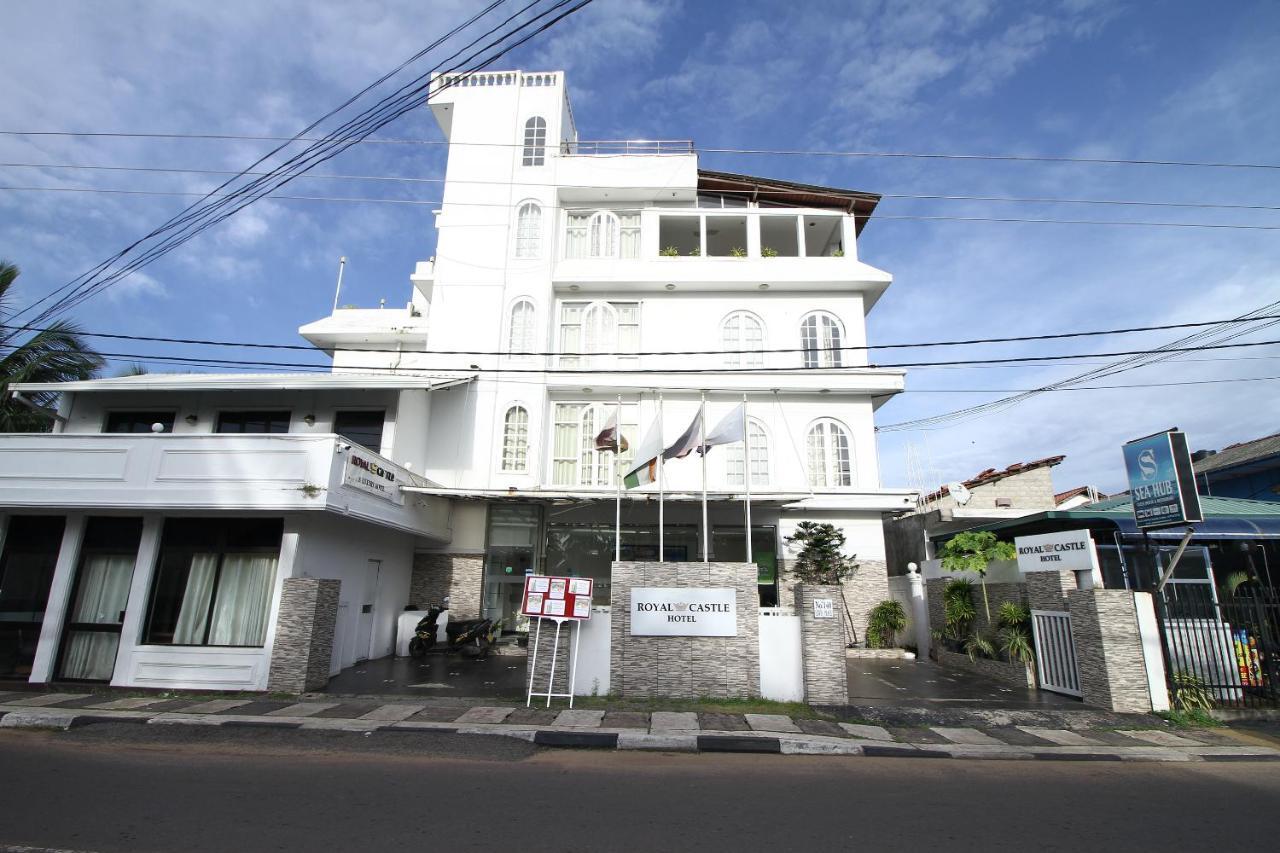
column 535, row 141
column 829, row 458
column 602, row 232
column 599, row 332
column 821, row 338
column 521, row 333
column 759, row 441
column 743, row 330
column 515, row 440
column 575, row 461
column 529, row 230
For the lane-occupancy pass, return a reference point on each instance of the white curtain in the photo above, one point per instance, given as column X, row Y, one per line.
column 630, row 234
column 575, row 237
column 195, row 601
column 244, row 595
column 101, row 599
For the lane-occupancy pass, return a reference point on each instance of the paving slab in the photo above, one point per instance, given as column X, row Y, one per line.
column 865, row 732
column 1062, row 737
column 213, row 706
column 673, row 721
column 722, row 722
column 348, row 710
column 911, row 734
column 579, row 718
column 258, row 708
column 771, row 723
column 967, row 736
column 41, row 700
column 484, row 714
column 436, row 714
column 532, row 717
column 626, row 720
column 302, row 709
column 392, row 713
column 126, row 704
column 1159, row 738
column 825, row 728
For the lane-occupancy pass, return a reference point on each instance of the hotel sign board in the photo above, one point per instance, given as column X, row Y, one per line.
column 1069, row 550
column 1162, row 481
column 684, row 612
column 366, row 472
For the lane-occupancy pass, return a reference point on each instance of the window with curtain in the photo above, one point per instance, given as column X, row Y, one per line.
column 515, row 439
column 830, row 464
column 735, row 453
column 821, row 338
column 30, row 554
column 743, row 330
column 575, row 460
column 520, row 332
column 602, row 234
column 535, row 141
column 215, row 582
column 99, row 598
column 611, row 329
column 528, row 230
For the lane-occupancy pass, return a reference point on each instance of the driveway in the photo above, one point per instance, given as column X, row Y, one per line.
column 874, row 681
column 438, row 675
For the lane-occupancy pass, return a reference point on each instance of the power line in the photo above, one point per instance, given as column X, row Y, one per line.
column 771, row 152
column 763, row 192
column 878, row 217
column 763, row 351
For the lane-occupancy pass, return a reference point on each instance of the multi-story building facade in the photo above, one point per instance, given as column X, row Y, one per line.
column 573, row 282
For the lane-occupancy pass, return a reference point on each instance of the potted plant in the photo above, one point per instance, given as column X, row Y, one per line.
column 768, row 252
column 738, row 252
column 696, row 251
column 669, row 251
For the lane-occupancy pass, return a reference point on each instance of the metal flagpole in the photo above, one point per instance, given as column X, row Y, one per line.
column 746, row 470
column 661, row 479
column 702, row 446
column 617, row 472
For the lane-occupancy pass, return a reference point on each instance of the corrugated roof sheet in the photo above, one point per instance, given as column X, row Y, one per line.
column 1240, row 454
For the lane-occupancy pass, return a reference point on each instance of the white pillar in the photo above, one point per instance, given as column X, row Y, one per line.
column 144, row 568
column 919, row 612
column 55, row 611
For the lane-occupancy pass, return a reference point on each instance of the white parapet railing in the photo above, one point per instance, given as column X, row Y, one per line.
column 614, row 147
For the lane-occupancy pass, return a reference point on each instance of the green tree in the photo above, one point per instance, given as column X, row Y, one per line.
column 57, row 353
column 821, row 559
column 973, row 551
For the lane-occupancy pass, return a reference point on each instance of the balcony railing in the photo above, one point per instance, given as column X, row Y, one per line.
column 608, row 147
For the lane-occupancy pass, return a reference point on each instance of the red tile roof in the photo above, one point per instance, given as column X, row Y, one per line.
column 991, row 475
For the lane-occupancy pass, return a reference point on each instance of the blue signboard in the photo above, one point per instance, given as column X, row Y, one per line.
column 1161, row 480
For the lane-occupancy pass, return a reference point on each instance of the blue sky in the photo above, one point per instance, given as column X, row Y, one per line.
column 1153, row 80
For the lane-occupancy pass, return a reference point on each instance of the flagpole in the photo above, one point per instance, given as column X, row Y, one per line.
column 746, row 472
column 617, row 472
column 661, row 478
column 702, row 446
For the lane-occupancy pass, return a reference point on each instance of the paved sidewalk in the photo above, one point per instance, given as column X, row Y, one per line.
column 659, row 730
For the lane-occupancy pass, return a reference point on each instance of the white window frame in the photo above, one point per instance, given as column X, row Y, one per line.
column 522, row 337
column 739, row 340
column 595, row 354
column 821, row 343
column 528, row 231
column 601, row 233
column 514, row 451
column 734, row 454
column 590, row 468
column 823, row 464
column 535, row 141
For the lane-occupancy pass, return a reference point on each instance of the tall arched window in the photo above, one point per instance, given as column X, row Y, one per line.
column 829, row 456
column 821, row 338
column 521, row 333
column 602, row 232
column 743, row 330
column 515, row 440
column 529, row 230
column 599, row 332
column 759, row 441
column 535, row 141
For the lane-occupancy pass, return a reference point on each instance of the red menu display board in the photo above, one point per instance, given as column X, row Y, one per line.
column 557, row 598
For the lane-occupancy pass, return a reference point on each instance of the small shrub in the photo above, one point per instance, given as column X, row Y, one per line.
column 838, row 253
column 738, row 252
column 669, row 251
column 886, row 619
column 1190, row 693
column 695, row 252
column 767, row 252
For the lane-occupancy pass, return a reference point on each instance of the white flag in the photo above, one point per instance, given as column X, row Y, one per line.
column 688, row 440
column 729, row 430
column 644, row 469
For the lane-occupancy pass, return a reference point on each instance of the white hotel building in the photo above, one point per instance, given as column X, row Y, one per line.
column 159, row 558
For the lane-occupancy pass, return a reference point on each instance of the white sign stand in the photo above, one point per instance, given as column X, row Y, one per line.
column 555, row 652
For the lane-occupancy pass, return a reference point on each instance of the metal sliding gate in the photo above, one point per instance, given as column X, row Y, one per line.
column 1226, row 651
column 1056, row 668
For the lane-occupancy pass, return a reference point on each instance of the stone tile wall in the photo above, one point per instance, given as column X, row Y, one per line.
column 456, row 576
column 1048, row 590
column 1104, row 627
column 303, row 645
column 868, row 586
column 822, row 643
column 1007, row 672
column 685, row 667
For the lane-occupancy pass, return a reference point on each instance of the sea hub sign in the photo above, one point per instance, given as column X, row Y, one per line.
column 683, row 612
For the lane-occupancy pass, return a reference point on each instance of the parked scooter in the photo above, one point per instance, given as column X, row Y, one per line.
column 473, row 637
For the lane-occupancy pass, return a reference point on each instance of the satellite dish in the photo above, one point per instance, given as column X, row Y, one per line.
column 960, row 493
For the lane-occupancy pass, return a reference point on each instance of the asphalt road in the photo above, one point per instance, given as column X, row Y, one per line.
column 151, row 788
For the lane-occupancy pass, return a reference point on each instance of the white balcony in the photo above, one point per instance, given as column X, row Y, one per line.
column 279, row 473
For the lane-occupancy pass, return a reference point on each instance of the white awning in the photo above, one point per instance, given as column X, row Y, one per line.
column 253, row 382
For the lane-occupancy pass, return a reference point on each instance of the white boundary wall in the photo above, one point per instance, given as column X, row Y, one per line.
column 781, row 666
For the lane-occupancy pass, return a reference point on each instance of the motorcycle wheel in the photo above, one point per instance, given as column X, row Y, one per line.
column 475, row 649
column 417, row 647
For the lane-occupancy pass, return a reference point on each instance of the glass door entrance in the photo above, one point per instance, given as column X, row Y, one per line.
column 92, row 635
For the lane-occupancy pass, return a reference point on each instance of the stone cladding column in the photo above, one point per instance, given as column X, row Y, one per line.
column 822, row 645
column 303, row 646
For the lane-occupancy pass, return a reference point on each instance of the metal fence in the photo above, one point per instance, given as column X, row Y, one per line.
column 605, row 147
column 1220, row 650
column 1056, row 667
